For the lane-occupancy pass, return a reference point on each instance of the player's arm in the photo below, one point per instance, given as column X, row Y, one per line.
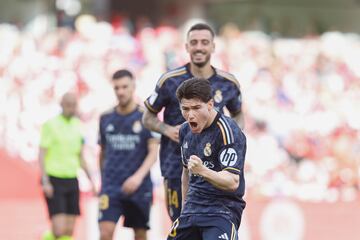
column 222, row 180
column 86, row 169
column 184, row 184
column 235, row 105
column 46, row 140
column 132, row 183
column 101, row 159
column 239, row 118
column 102, row 143
column 45, row 182
column 42, row 154
column 153, row 123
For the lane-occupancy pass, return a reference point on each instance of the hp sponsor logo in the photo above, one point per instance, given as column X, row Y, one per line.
column 228, row 157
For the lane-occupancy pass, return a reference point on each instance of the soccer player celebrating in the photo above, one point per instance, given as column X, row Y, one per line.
column 200, row 45
column 213, row 150
column 128, row 150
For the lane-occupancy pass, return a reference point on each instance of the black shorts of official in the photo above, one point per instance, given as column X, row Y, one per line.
column 200, row 227
column 65, row 198
column 173, row 197
column 135, row 211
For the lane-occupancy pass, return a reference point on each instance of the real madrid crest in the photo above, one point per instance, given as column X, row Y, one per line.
column 207, row 150
column 136, row 127
column 218, row 96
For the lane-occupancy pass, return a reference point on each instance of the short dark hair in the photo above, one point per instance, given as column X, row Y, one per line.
column 122, row 73
column 198, row 88
column 201, row 26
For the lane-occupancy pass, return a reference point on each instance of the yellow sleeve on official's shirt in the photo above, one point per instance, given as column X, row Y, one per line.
column 46, row 136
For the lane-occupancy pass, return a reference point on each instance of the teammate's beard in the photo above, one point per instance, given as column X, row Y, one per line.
column 124, row 104
column 202, row 64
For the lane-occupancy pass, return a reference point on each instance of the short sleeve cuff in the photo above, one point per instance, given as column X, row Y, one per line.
column 232, row 170
column 150, row 108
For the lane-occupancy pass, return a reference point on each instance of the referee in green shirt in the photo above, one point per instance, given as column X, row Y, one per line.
column 60, row 157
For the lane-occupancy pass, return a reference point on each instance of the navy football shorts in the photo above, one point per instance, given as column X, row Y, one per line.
column 200, row 227
column 65, row 198
column 173, row 197
column 136, row 212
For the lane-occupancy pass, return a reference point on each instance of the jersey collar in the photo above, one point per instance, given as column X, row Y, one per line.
column 187, row 66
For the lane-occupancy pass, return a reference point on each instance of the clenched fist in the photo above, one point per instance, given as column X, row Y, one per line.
column 195, row 165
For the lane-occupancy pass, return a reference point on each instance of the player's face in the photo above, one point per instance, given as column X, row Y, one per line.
column 200, row 45
column 124, row 89
column 196, row 113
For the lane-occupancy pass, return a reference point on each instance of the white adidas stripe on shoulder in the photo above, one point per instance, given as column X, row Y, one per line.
column 228, row 76
column 173, row 73
column 227, row 131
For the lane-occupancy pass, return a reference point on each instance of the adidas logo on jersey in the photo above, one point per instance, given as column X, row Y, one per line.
column 110, row 128
column 224, row 236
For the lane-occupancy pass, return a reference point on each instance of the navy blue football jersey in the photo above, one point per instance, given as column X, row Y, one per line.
column 125, row 142
column 226, row 92
column 221, row 147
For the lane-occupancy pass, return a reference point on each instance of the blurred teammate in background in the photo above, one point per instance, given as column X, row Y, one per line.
column 61, row 156
column 213, row 151
column 128, row 150
column 225, row 88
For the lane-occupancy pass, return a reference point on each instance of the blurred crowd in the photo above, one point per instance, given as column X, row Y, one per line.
column 300, row 96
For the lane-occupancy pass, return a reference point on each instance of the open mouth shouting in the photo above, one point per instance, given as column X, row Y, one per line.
column 194, row 126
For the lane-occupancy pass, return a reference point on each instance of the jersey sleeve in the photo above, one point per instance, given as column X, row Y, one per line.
column 181, row 141
column 148, row 135
column 235, row 103
column 158, row 99
column 101, row 136
column 232, row 148
column 231, row 158
column 46, row 136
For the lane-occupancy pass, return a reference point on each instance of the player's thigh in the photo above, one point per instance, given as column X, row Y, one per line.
column 110, row 208
column 219, row 229
column 59, row 225
column 107, row 229
column 173, row 197
column 182, row 229
column 137, row 213
column 140, row 233
column 70, row 223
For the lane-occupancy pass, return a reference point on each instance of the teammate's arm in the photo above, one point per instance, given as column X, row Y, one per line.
column 101, row 159
column 235, row 105
column 239, row 118
column 85, row 167
column 132, row 183
column 222, row 180
column 184, row 185
column 45, row 182
column 152, row 122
